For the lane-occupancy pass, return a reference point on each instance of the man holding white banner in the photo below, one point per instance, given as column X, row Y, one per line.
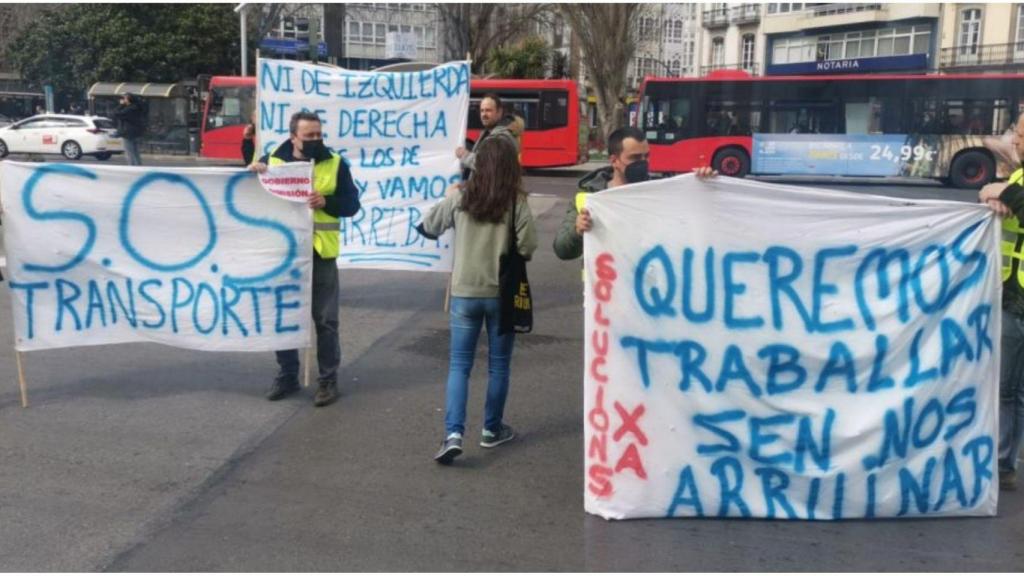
column 333, row 197
column 1007, row 199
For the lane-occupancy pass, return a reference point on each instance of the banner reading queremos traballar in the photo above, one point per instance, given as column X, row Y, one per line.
column 756, row 350
column 192, row 257
column 397, row 130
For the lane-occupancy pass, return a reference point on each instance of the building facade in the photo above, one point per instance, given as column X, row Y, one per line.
column 357, row 35
column 668, row 42
column 732, row 37
column 981, row 37
column 376, row 31
column 819, row 38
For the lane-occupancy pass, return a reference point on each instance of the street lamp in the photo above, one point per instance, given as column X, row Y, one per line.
column 245, row 52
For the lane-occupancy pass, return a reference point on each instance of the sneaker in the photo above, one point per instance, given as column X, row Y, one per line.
column 284, row 385
column 491, row 439
column 450, row 448
column 1008, row 480
column 326, row 393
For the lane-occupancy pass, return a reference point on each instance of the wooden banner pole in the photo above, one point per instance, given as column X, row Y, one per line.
column 448, row 294
column 305, row 365
column 21, row 380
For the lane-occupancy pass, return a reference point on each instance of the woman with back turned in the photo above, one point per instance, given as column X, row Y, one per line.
column 481, row 211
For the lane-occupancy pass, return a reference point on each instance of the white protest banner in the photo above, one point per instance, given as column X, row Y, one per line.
column 400, row 45
column 757, row 350
column 291, row 181
column 397, row 130
column 191, row 257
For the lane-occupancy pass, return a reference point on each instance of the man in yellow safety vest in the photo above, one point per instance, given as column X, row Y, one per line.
column 335, row 197
column 1007, row 199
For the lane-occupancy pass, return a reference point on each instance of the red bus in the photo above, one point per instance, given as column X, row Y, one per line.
column 228, row 108
column 549, row 108
column 954, row 127
column 551, row 113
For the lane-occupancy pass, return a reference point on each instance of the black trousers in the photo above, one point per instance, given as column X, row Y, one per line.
column 325, row 317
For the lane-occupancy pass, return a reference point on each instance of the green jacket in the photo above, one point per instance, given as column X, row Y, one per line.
column 480, row 245
column 568, row 244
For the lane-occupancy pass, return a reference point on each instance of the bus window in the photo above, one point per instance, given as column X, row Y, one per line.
column 229, row 106
column 873, row 116
column 728, row 118
column 554, row 108
column 923, row 116
column 526, row 107
column 666, row 119
column 802, row 117
column 1001, row 120
column 969, row 117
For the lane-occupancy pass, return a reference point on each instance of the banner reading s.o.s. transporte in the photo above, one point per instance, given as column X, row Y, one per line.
column 191, row 257
column 756, row 350
column 397, row 130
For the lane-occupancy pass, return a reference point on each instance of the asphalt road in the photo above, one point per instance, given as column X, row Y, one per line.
column 149, row 458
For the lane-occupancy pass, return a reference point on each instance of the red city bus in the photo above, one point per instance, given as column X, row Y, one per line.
column 549, row 109
column 228, row 108
column 952, row 127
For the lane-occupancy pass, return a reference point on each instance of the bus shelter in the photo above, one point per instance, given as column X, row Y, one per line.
column 170, row 112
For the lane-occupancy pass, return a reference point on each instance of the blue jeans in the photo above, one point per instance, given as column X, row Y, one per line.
column 1011, row 391
column 131, row 149
column 467, row 315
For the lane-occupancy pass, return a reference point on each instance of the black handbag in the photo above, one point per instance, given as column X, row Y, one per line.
column 513, row 286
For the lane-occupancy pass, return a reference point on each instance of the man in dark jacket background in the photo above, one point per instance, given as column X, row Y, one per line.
column 131, row 125
column 496, row 125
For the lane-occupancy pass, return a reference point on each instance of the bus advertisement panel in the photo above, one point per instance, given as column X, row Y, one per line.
column 549, row 110
column 956, row 128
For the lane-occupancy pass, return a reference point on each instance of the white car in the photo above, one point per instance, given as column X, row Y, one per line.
column 64, row 134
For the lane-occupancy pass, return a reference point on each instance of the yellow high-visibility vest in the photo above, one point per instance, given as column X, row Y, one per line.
column 1012, row 245
column 326, row 228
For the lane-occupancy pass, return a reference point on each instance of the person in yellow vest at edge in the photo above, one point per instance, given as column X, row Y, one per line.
column 627, row 155
column 1007, row 200
column 335, row 196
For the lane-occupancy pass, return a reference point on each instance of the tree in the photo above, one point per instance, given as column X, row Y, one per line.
column 475, row 29
column 559, row 65
column 526, row 59
column 13, row 18
column 605, row 36
column 73, row 47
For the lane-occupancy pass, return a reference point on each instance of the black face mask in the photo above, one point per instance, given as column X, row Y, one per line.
column 312, row 148
column 637, row 172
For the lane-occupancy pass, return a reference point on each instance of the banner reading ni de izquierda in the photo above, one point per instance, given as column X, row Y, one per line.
column 756, row 350
column 398, row 131
column 191, row 257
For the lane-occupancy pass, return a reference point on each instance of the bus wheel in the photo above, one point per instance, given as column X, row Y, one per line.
column 971, row 170
column 731, row 162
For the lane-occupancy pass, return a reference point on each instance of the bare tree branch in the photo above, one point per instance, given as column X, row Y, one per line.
column 475, row 29
column 605, row 33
